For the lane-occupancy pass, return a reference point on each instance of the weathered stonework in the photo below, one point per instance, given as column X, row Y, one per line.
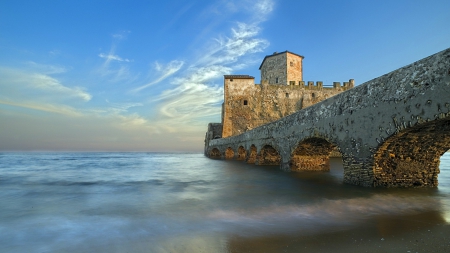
column 282, row 68
column 282, row 92
column 214, row 132
column 391, row 131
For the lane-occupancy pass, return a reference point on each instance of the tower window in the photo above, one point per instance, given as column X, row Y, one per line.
column 245, row 102
column 276, row 80
column 292, row 64
column 231, row 80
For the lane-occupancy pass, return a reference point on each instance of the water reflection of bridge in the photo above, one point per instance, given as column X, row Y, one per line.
column 391, row 131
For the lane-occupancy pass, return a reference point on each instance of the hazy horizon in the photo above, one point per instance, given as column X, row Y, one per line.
column 148, row 76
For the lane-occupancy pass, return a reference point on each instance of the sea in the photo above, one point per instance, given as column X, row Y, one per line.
column 186, row 202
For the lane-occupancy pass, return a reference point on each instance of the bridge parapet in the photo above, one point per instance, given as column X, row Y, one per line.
column 391, row 131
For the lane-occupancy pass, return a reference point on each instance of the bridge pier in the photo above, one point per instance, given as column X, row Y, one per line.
column 252, row 154
column 268, row 156
column 391, row 131
column 357, row 171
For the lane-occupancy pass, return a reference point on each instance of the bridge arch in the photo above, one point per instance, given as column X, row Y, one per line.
column 229, row 153
column 312, row 154
column 268, row 155
column 215, row 153
column 241, row 154
column 252, row 154
column 412, row 156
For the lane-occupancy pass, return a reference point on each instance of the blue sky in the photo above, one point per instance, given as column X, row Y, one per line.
column 148, row 75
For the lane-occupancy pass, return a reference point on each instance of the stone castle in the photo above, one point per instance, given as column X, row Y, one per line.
column 282, row 92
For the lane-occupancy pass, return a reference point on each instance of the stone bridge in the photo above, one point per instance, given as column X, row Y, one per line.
column 391, row 131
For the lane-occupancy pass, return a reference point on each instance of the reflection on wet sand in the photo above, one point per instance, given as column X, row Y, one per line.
column 422, row 232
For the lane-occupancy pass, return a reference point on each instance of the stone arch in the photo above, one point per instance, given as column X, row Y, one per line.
column 215, row 153
column 412, row 156
column 252, row 154
column 241, row 154
column 229, row 153
column 268, row 156
column 312, row 154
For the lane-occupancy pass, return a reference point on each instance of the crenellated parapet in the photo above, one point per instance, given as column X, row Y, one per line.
column 282, row 92
column 390, row 131
column 310, row 85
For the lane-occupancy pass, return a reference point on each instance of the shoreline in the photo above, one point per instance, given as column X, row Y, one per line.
column 385, row 234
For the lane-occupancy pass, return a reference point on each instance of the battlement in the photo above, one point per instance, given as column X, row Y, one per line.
column 282, row 92
column 319, row 85
column 238, row 77
column 310, row 85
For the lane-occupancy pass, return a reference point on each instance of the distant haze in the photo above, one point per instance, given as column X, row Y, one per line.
column 148, row 76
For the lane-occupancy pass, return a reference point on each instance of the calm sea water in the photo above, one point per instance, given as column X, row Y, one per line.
column 156, row 202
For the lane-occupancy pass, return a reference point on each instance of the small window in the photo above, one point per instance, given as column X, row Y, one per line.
column 276, row 80
column 231, row 80
column 287, row 95
column 292, row 64
column 313, row 95
column 245, row 102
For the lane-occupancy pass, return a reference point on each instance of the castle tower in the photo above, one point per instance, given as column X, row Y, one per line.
column 237, row 99
column 283, row 68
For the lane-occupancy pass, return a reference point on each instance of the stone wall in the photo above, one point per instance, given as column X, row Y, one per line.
column 247, row 105
column 294, row 73
column 282, row 68
column 214, row 132
column 391, row 131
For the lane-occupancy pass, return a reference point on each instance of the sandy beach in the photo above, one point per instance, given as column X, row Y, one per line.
column 423, row 232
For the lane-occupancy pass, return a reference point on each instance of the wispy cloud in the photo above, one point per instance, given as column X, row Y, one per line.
column 50, row 84
column 184, row 94
column 196, row 96
column 118, row 108
column 121, row 35
column 46, row 107
column 112, row 57
column 114, row 66
column 264, row 7
column 18, row 84
column 164, row 73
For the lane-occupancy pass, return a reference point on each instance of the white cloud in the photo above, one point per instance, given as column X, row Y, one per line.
column 21, row 84
column 264, row 7
column 165, row 72
column 194, row 99
column 113, row 57
column 52, row 85
column 121, row 35
column 183, row 108
column 46, row 107
column 115, row 67
column 118, row 108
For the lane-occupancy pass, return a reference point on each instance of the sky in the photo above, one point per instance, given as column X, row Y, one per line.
column 148, row 75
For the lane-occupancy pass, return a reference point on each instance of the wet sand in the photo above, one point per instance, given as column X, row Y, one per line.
column 413, row 233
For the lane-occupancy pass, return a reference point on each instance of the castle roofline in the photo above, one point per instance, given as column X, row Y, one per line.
column 238, row 77
column 274, row 54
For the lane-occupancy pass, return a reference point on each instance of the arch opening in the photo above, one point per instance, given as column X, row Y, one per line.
column 313, row 154
column 242, row 153
column 411, row 158
column 229, row 153
column 252, row 154
column 268, row 156
column 215, row 154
